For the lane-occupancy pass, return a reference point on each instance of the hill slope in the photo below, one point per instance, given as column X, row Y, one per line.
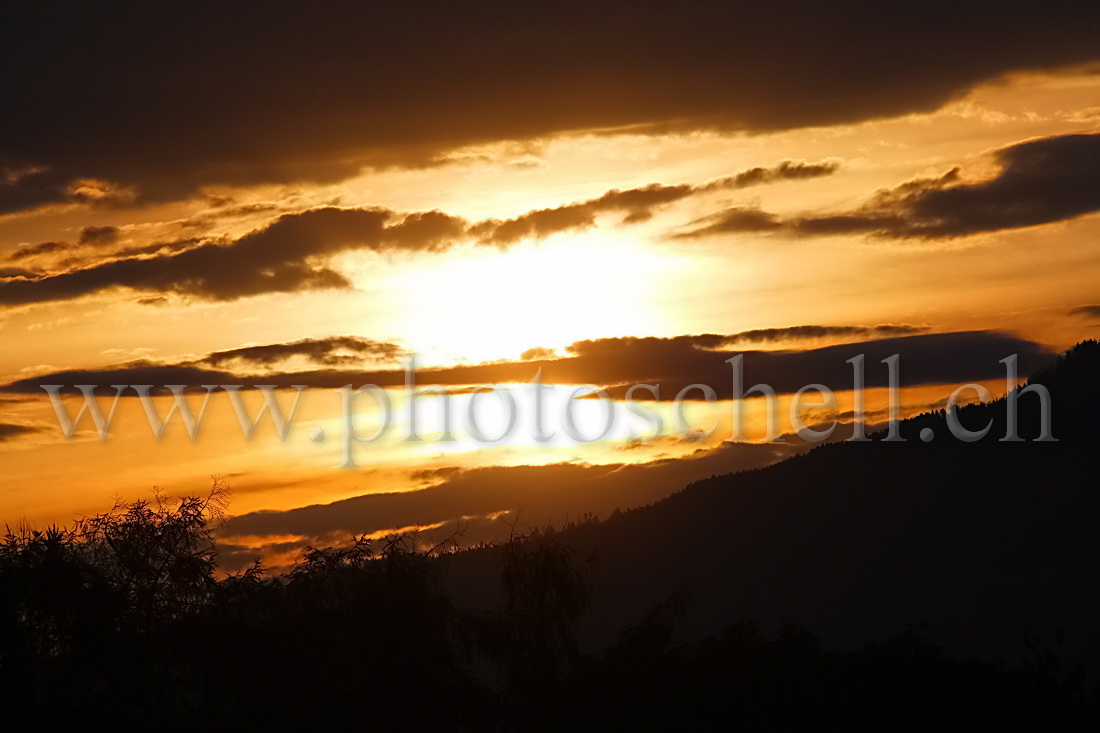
column 992, row 546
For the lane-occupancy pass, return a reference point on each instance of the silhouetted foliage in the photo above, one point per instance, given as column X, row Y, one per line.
column 789, row 681
column 546, row 591
column 126, row 606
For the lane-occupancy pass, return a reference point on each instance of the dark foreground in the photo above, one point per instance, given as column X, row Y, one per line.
column 122, row 620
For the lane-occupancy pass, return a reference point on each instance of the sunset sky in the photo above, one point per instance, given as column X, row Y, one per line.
column 614, row 194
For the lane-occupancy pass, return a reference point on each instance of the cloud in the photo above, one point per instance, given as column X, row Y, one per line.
column 616, row 363
column 9, row 431
column 674, row 364
column 226, row 367
column 789, row 333
column 34, row 250
column 1088, row 311
column 99, row 235
column 285, row 256
column 89, row 236
column 538, row 495
column 788, row 170
column 1040, row 181
column 27, row 188
column 332, row 351
column 537, row 352
column 290, row 254
column 267, row 97
column 636, row 204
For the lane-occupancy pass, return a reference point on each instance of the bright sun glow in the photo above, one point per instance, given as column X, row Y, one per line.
column 485, row 303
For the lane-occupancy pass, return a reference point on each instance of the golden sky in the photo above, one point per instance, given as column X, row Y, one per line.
column 611, row 222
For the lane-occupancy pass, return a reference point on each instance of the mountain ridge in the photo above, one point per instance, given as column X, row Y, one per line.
column 858, row 541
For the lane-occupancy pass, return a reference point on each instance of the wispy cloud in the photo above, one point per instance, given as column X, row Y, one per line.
column 1040, row 181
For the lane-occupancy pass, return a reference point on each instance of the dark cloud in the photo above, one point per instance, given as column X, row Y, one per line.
column 525, row 497
column 33, row 250
column 285, row 256
column 674, row 364
column 265, row 95
column 9, row 431
column 734, row 220
column 99, row 235
column 636, row 204
column 333, row 351
column 539, row 223
column 537, row 352
column 790, row 333
column 788, row 170
column 224, row 367
column 23, row 188
column 142, row 372
column 539, row 495
column 615, row 363
column 1040, row 181
column 1088, row 311
column 290, row 253
column 89, row 236
column 77, row 261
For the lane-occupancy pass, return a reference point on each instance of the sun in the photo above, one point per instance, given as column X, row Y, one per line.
column 482, row 303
